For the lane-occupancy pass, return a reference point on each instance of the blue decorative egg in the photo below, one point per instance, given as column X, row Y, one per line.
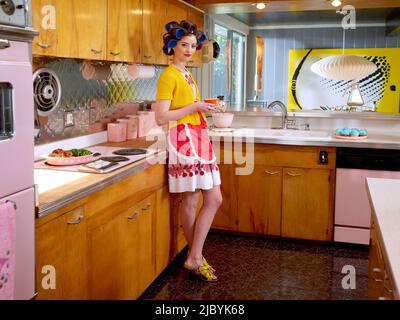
column 354, row 132
column 345, row 131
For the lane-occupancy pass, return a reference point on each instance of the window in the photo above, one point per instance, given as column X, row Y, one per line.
column 6, row 111
column 228, row 79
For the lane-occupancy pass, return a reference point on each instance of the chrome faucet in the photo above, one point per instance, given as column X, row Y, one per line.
column 283, row 111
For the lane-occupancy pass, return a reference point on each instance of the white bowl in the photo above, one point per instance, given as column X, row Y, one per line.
column 222, row 119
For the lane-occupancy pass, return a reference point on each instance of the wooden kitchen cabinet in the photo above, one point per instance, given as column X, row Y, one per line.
column 61, row 248
column 147, row 253
column 227, row 215
column 124, row 30
column 113, row 30
column 82, row 29
column 45, row 19
column 114, row 257
column 123, row 247
column 70, row 28
column 288, row 194
column 259, row 208
column 111, row 244
column 163, row 230
column 307, row 204
column 155, row 18
column 380, row 286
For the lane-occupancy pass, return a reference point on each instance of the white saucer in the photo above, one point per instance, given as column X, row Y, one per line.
column 223, row 129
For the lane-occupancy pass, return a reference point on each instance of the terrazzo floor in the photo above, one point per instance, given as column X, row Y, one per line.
column 250, row 268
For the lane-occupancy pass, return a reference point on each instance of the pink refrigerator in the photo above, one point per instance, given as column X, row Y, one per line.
column 17, row 208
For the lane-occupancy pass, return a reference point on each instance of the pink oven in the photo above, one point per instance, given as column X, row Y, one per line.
column 16, row 155
column 352, row 209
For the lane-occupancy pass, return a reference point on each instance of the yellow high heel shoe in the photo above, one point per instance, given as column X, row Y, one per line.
column 206, row 264
column 203, row 273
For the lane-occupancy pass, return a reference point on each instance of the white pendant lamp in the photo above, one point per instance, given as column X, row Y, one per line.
column 344, row 67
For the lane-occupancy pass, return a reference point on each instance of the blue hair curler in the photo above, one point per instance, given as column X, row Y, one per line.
column 171, row 25
column 172, row 43
column 179, row 33
column 168, row 51
column 201, row 37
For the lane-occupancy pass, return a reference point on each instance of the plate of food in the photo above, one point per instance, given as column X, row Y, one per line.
column 60, row 157
column 351, row 134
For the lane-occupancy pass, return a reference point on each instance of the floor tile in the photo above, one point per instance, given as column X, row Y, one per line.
column 259, row 268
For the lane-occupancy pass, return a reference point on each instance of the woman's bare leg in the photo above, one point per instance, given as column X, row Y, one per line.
column 212, row 200
column 188, row 214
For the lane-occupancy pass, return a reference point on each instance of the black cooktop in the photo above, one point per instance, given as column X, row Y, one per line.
column 129, row 152
column 114, row 159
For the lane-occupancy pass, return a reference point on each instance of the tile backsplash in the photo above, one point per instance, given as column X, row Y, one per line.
column 88, row 102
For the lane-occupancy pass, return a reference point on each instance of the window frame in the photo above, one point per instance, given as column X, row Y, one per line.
column 231, row 30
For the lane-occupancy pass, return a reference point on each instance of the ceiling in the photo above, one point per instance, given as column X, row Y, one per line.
column 240, row 6
column 253, row 19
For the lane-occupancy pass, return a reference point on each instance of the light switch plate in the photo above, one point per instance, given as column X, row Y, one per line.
column 69, row 119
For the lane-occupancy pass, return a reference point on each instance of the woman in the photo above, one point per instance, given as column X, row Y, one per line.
column 192, row 166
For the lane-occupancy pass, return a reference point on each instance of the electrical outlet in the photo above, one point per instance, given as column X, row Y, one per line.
column 69, row 119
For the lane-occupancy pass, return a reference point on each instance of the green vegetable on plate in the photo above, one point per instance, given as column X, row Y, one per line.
column 80, row 152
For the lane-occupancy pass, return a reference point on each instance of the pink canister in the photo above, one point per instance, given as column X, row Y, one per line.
column 116, row 131
column 143, row 123
column 131, row 132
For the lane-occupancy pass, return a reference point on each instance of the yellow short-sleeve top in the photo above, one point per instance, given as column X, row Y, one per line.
column 173, row 86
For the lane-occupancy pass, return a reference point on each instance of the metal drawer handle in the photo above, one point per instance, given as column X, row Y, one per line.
column 387, row 289
column 134, row 216
column 376, row 270
column 4, row 44
column 77, row 221
column 147, row 57
column 271, row 173
column 44, row 46
column 115, row 53
column 294, row 174
column 97, row 51
column 147, row 207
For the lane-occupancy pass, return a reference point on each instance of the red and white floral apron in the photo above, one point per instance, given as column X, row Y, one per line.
column 192, row 163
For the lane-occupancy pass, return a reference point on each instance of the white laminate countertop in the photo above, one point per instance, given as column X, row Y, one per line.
column 306, row 138
column 385, row 201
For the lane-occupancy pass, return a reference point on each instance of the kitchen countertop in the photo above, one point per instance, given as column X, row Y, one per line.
column 317, row 138
column 385, row 200
column 57, row 189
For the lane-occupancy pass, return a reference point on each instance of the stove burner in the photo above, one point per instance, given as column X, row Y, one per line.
column 114, row 159
column 129, row 152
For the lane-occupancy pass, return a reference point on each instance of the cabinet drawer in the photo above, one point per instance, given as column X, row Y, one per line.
column 106, row 204
column 287, row 156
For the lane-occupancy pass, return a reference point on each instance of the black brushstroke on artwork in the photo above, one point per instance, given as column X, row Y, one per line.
column 296, row 75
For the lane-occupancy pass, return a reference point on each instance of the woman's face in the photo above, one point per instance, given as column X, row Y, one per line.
column 185, row 48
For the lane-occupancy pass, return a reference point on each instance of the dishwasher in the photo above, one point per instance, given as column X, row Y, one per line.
column 352, row 220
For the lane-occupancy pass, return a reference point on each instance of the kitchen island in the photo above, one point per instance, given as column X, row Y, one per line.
column 385, row 203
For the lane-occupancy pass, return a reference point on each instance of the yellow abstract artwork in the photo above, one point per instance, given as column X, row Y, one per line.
column 308, row 91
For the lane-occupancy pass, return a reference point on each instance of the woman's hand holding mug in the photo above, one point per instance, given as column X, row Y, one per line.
column 201, row 106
